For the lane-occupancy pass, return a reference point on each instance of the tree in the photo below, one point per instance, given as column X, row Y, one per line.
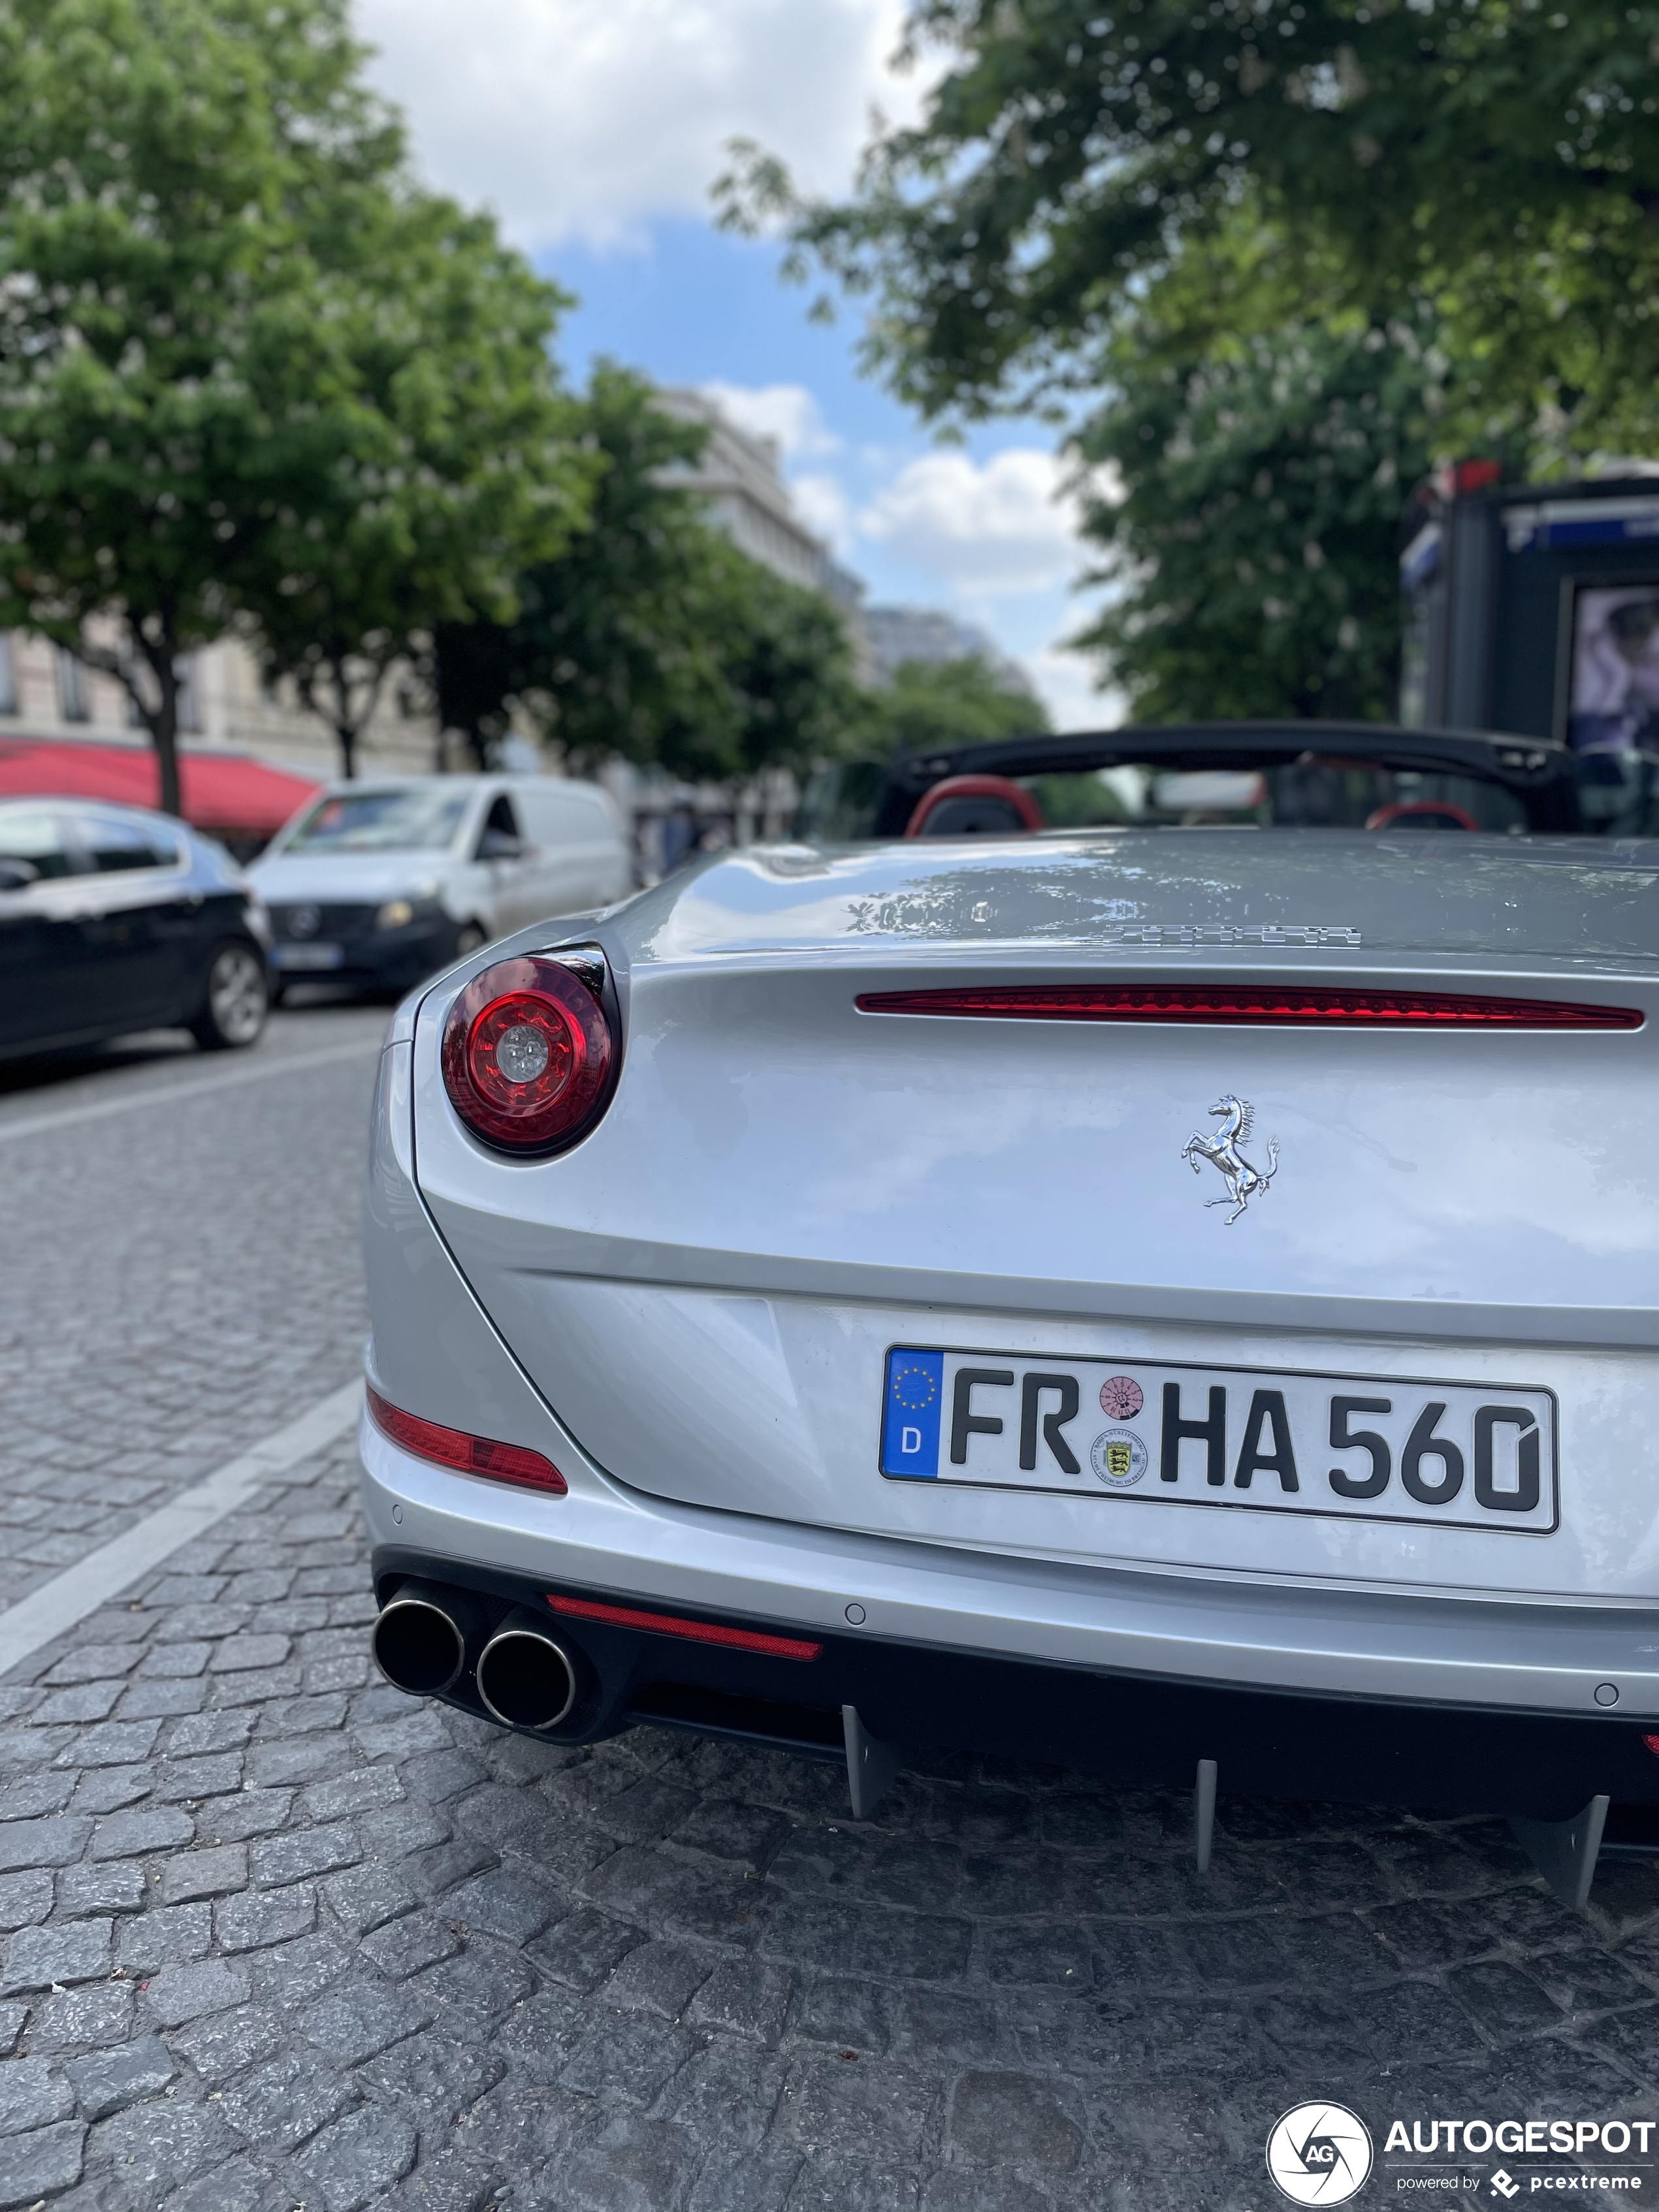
column 1494, row 158
column 465, row 463
column 1251, row 527
column 609, row 645
column 785, row 664
column 651, row 636
column 947, row 702
column 176, row 179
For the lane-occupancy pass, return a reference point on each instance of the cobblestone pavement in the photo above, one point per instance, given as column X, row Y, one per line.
column 178, row 1279
column 286, row 1936
column 281, row 1937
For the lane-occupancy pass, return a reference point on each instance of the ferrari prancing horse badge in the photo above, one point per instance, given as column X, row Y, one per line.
column 1222, row 1151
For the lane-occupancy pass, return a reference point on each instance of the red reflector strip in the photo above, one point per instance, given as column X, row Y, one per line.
column 695, row 1632
column 1652, row 1743
column 1262, row 1005
column 497, row 1462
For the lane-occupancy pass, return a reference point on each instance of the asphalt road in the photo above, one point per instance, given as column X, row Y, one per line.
column 283, row 1937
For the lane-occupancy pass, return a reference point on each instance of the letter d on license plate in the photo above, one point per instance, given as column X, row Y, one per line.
column 1370, row 1446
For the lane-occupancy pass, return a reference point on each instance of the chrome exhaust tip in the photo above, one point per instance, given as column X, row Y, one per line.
column 526, row 1678
column 418, row 1642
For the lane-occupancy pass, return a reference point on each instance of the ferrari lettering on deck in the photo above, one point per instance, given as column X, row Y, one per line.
column 1457, row 1453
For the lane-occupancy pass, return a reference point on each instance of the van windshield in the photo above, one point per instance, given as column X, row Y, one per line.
column 412, row 821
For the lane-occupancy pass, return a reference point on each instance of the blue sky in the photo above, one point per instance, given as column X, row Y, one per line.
column 594, row 128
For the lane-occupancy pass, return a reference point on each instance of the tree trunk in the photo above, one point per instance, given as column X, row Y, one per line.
column 164, row 736
column 161, row 715
column 348, row 712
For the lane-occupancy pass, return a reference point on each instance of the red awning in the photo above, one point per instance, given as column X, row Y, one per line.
column 227, row 794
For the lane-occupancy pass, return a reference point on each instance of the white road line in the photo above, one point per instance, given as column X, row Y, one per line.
column 274, row 1063
column 57, row 1606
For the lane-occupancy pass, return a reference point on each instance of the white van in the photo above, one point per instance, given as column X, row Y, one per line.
column 382, row 881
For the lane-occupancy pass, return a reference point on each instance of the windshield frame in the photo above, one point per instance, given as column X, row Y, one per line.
column 1539, row 772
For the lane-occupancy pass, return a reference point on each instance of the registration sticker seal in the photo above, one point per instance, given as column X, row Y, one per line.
column 1118, row 1458
column 1121, row 1397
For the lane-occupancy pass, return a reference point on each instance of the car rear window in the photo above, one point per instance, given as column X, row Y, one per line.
column 114, row 842
column 413, row 821
column 35, row 837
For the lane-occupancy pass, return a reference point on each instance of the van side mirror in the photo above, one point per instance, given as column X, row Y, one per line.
column 500, row 844
column 17, row 875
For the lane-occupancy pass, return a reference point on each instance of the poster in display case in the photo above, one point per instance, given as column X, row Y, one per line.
column 1612, row 667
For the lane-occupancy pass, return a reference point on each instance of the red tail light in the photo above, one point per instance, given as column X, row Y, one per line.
column 497, row 1462
column 1253, row 1004
column 527, row 1053
column 695, row 1632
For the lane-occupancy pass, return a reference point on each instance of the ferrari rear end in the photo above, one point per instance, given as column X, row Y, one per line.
column 1177, row 1306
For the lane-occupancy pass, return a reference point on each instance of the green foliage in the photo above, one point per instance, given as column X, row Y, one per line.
column 249, row 373
column 1497, row 159
column 787, row 669
column 1248, row 502
column 946, row 703
column 651, row 636
column 607, row 649
column 461, row 462
column 179, row 180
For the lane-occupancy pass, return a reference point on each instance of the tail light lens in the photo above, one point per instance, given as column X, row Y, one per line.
column 497, row 1462
column 1255, row 1003
column 527, row 1054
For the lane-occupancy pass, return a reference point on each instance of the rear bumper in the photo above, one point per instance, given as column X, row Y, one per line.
column 1295, row 1691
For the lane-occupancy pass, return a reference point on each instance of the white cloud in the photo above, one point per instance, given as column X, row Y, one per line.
column 586, row 118
column 787, row 412
column 984, row 529
column 1065, row 681
column 825, row 509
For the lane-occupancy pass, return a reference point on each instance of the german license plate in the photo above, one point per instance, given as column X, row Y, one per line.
column 310, row 957
column 1369, row 1447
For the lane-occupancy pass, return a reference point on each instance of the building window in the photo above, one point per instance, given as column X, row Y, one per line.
column 8, row 675
column 71, row 688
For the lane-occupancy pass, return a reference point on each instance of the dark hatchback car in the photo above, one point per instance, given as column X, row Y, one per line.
column 113, row 920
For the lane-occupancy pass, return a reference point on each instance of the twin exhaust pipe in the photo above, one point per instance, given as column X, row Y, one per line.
column 525, row 1677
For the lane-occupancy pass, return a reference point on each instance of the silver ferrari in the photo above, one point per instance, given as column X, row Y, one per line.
column 1175, row 1294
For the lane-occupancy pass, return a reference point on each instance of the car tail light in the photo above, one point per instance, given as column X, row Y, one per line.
column 1252, row 1004
column 497, row 1462
column 695, row 1632
column 527, row 1054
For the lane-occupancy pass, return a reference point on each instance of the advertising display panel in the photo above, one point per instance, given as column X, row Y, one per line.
column 1612, row 680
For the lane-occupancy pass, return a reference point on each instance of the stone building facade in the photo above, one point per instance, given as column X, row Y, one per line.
column 44, row 692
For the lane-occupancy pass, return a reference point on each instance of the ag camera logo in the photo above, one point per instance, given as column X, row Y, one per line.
column 1320, row 2154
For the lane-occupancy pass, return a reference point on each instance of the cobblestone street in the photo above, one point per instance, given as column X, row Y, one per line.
column 281, row 1936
